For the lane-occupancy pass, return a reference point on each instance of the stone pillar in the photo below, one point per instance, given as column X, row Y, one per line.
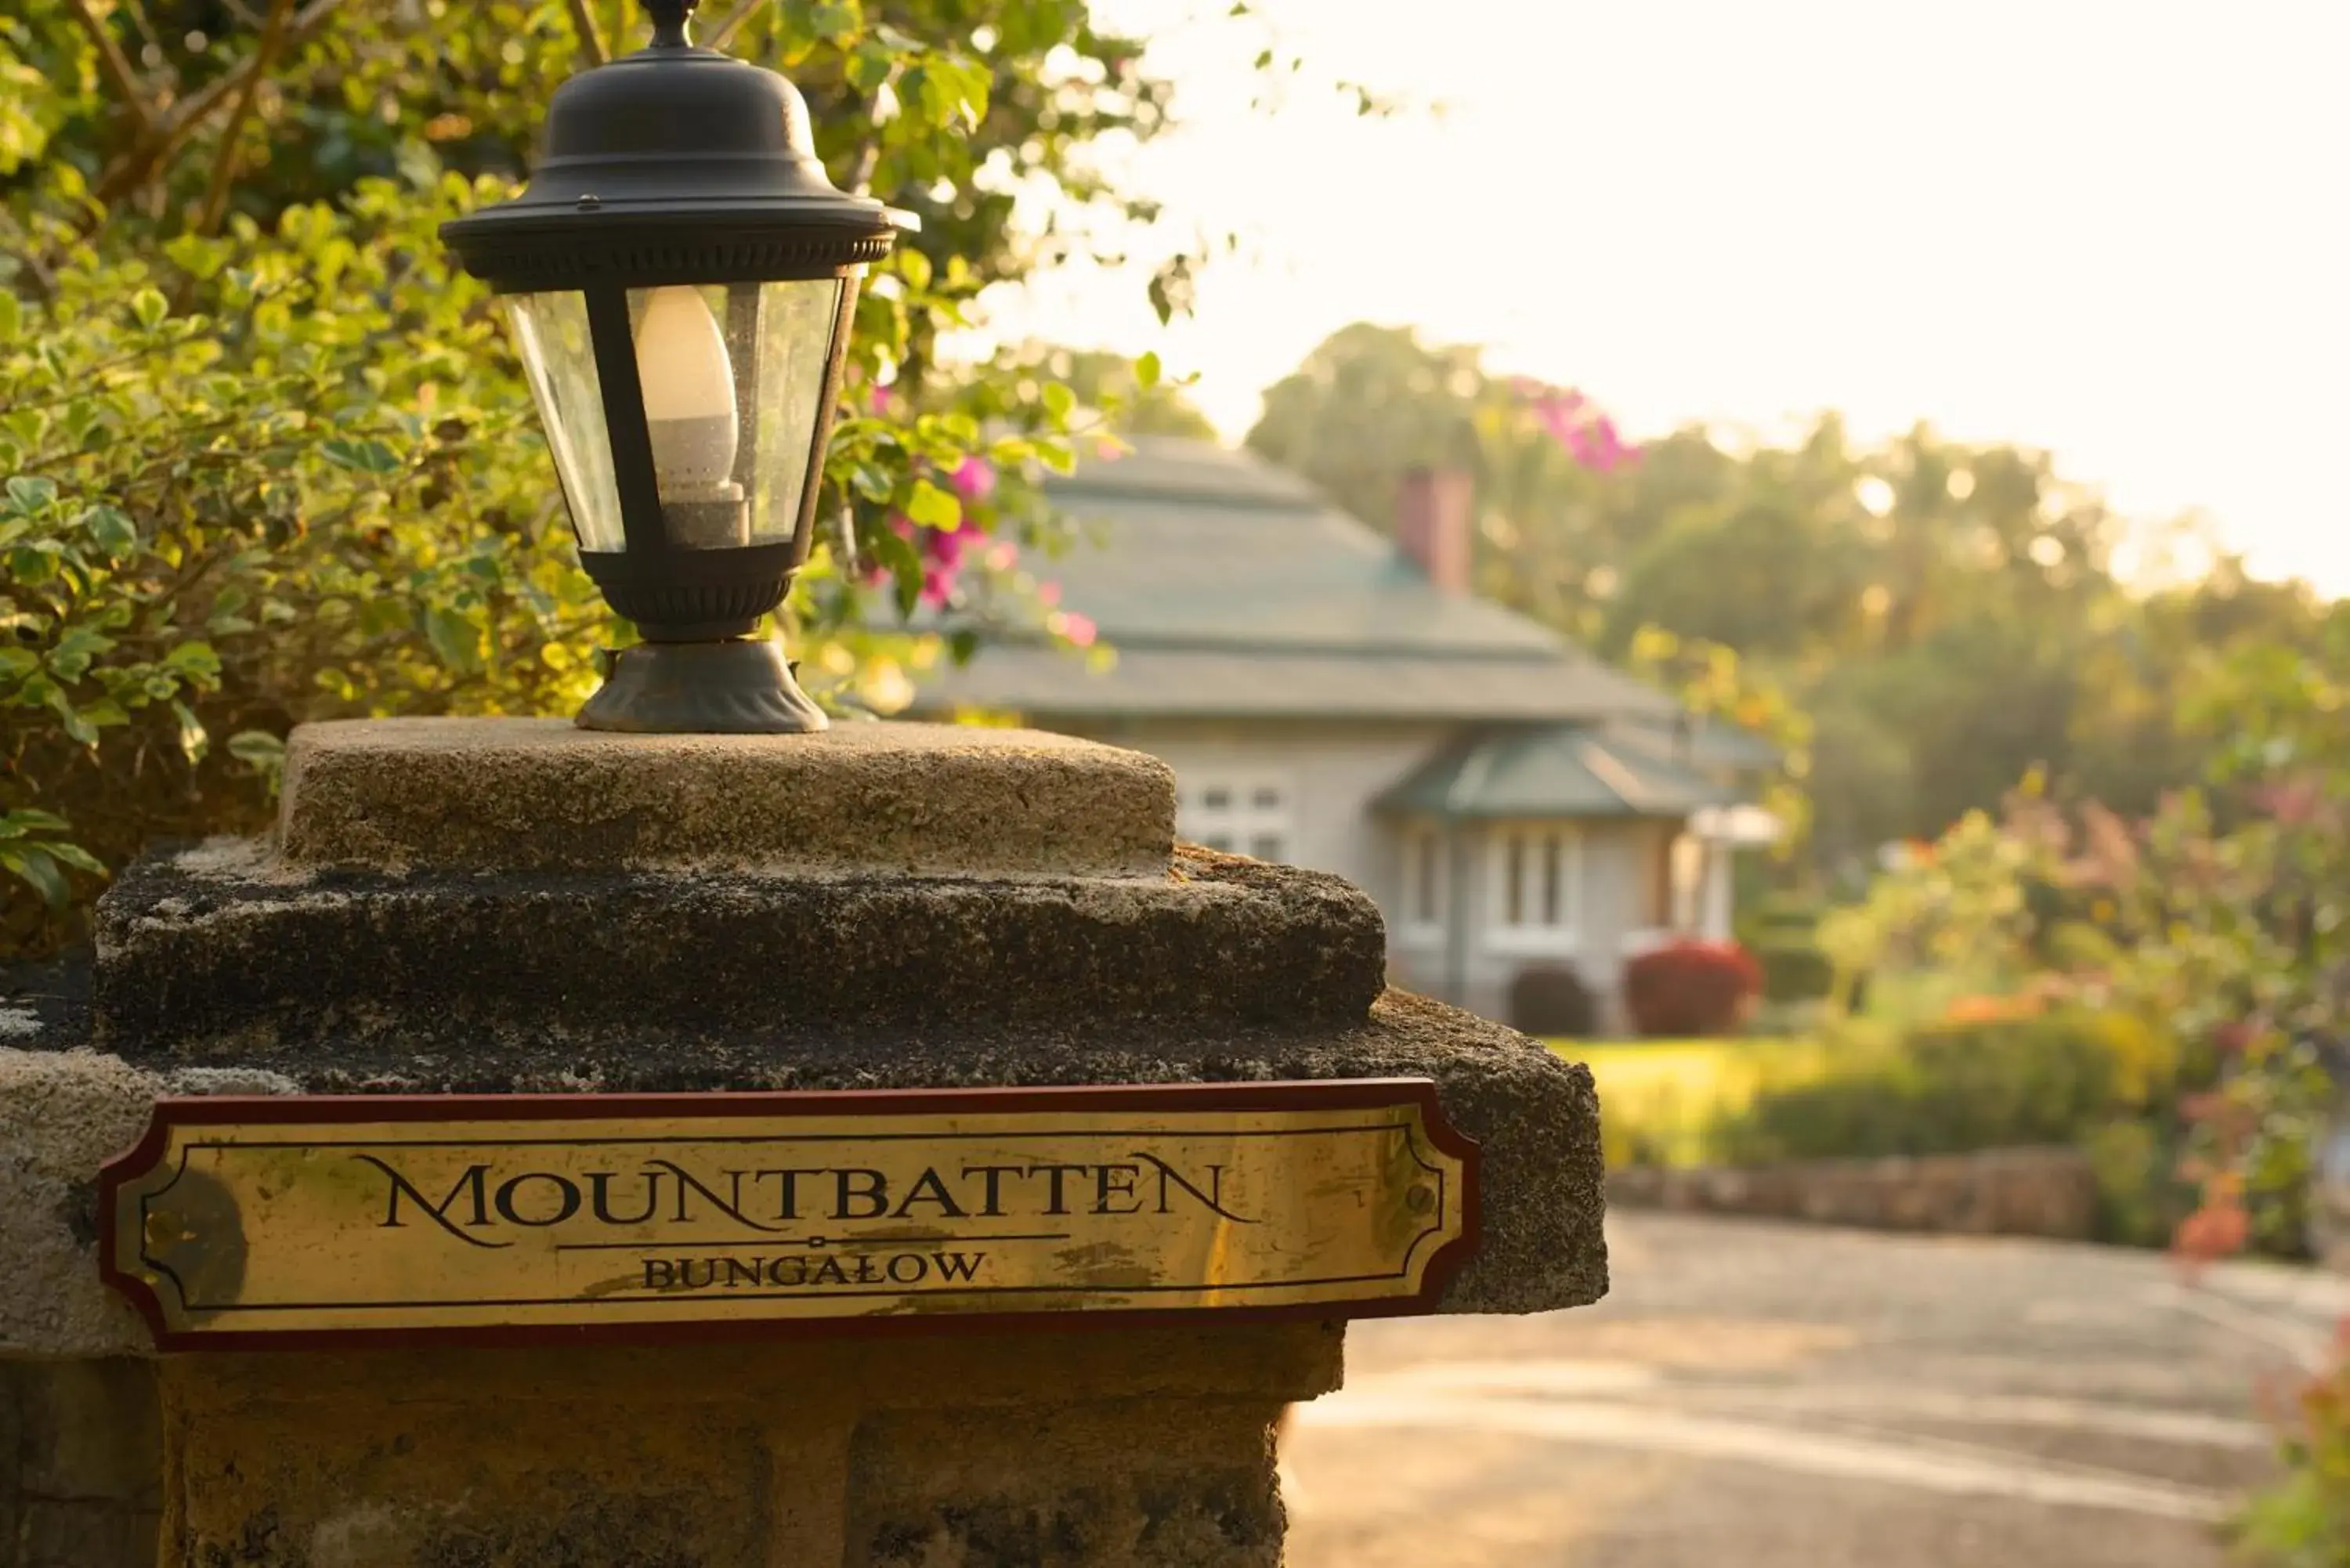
column 512, row 906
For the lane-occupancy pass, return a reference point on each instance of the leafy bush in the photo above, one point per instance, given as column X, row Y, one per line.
column 1551, row 1000
column 1955, row 1088
column 1690, row 988
column 1780, row 918
column 2076, row 946
column 2141, row 1197
column 1795, row 972
column 2303, row 1520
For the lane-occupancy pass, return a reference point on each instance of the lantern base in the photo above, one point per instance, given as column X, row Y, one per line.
column 738, row 688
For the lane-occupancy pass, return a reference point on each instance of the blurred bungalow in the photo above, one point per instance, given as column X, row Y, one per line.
column 1333, row 700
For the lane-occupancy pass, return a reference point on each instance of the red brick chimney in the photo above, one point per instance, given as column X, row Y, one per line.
column 1434, row 526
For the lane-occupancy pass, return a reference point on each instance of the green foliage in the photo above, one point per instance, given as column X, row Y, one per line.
column 1137, row 397
column 1956, row 911
column 1956, row 1087
column 266, row 458
column 1716, row 684
column 229, row 515
column 2079, row 948
column 2141, row 1196
column 1795, row 972
column 1665, row 1102
column 2302, row 1521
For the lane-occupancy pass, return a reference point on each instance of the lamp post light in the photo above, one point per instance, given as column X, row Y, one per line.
column 680, row 276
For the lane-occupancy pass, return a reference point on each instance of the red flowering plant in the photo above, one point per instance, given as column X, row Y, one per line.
column 1692, row 988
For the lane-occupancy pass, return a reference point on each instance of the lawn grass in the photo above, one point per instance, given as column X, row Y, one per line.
column 1663, row 1099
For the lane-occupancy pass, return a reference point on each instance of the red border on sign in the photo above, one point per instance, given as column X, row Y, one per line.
column 356, row 1109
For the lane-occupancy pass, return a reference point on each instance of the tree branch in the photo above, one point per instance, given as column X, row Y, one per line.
column 272, row 40
column 135, row 166
column 723, row 33
column 115, row 64
column 591, row 37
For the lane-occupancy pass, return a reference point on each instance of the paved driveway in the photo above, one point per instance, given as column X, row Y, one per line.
column 1764, row 1395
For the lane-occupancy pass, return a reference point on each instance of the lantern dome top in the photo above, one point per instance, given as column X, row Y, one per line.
column 674, row 164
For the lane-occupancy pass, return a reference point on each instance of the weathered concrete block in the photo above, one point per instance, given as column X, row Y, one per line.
column 1069, row 1487
column 199, row 955
column 2047, row 1192
column 541, row 794
column 1130, row 1449
column 63, row 1114
column 80, row 1464
column 1535, row 1118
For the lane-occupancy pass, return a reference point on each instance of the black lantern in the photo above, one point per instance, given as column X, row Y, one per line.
column 680, row 276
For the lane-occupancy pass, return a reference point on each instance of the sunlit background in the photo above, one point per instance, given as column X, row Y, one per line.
column 2114, row 231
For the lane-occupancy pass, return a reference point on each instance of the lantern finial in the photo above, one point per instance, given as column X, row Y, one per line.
column 669, row 22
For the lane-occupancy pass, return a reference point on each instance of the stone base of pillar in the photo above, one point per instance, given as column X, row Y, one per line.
column 511, row 906
column 1128, row 1449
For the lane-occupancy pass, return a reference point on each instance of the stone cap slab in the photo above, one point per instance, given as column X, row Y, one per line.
column 215, row 949
column 1536, row 1119
column 403, row 795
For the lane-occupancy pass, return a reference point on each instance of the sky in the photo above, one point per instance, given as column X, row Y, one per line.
column 2117, row 229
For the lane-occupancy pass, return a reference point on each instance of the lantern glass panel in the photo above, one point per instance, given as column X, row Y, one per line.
column 559, row 358
column 732, row 377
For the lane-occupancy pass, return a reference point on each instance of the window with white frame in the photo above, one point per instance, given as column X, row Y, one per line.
column 1536, row 879
column 1252, row 815
column 1425, row 886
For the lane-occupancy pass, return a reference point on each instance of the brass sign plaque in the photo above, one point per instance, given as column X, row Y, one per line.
column 255, row 1222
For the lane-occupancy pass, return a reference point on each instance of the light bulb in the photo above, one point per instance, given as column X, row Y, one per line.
column 688, row 387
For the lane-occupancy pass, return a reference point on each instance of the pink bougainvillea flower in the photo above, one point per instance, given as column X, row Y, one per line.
column 1080, row 629
column 879, row 400
column 946, row 548
column 1048, row 593
column 938, row 585
column 1572, row 419
column 1002, row 555
column 973, row 479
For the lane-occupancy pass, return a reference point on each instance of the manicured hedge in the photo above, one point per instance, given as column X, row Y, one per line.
column 1690, row 989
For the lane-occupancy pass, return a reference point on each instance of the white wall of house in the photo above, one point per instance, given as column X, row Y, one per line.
column 1302, row 792
column 1591, row 892
column 1304, row 788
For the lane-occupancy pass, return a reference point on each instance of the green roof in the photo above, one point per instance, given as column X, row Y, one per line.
column 1702, row 740
column 1230, row 588
column 1562, row 770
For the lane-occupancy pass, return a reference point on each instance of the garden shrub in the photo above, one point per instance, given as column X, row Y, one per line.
column 2076, row 946
column 2141, row 1196
column 1780, row 918
column 1795, row 972
column 1690, row 988
column 2302, row 1520
column 1551, row 1000
column 1955, row 1088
